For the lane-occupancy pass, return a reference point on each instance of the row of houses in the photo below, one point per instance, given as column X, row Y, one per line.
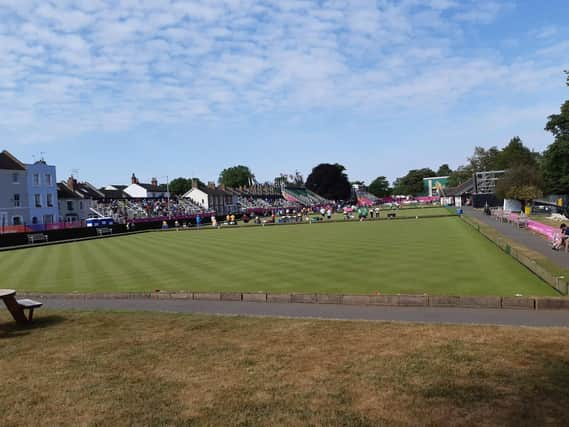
column 30, row 194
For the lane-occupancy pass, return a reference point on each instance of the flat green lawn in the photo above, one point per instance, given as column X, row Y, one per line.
column 435, row 256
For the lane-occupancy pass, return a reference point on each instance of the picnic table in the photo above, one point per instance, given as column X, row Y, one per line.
column 17, row 307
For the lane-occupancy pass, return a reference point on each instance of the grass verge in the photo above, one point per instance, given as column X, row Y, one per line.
column 89, row 368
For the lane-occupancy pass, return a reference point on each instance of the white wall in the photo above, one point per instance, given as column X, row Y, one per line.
column 136, row 191
column 198, row 196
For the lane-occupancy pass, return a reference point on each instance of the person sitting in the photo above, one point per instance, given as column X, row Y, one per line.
column 562, row 240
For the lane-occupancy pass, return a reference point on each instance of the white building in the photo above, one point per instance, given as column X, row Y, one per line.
column 138, row 190
column 211, row 198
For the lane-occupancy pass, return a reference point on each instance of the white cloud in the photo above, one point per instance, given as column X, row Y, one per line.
column 73, row 66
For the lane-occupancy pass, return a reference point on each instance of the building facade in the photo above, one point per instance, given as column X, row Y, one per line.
column 138, row 190
column 211, row 198
column 77, row 200
column 28, row 192
column 13, row 190
column 42, row 193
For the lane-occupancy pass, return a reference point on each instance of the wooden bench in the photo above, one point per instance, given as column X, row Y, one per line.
column 37, row 237
column 104, row 230
column 17, row 307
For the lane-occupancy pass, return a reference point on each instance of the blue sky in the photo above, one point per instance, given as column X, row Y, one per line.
column 186, row 88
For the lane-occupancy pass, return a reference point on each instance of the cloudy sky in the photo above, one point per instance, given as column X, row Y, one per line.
column 188, row 87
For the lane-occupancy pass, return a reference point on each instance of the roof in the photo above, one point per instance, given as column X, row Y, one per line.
column 64, row 192
column 113, row 194
column 88, row 191
column 9, row 162
column 212, row 191
column 150, row 187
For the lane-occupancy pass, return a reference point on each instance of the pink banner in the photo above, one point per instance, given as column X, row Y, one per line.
column 545, row 230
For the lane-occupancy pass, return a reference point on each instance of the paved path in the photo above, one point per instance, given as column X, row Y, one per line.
column 524, row 237
column 323, row 311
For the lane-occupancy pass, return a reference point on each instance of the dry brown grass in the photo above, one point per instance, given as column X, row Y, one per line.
column 76, row 368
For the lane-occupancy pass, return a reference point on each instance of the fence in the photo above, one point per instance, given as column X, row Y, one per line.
column 31, row 228
column 557, row 282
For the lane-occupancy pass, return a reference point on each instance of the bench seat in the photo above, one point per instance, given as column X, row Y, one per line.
column 37, row 237
column 29, row 303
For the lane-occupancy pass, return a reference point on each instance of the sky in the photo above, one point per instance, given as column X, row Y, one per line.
column 168, row 88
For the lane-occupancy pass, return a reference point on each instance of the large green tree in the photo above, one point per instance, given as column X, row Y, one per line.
column 236, row 176
column 523, row 182
column 444, row 170
column 556, row 156
column 412, row 183
column 379, row 187
column 329, row 181
column 516, row 153
column 179, row 186
column 485, row 159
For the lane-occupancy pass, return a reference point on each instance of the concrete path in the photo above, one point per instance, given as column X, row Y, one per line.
column 524, row 237
column 323, row 311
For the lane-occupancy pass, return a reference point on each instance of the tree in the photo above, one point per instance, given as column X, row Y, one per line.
column 412, row 183
column 516, row 153
column 329, row 181
column 558, row 124
column 236, row 176
column 460, row 175
column 556, row 156
column 522, row 182
column 179, row 186
column 444, row 170
column 379, row 187
column 485, row 160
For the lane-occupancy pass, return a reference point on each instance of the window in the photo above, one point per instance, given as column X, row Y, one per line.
column 48, row 179
column 37, row 199
column 16, row 200
column 36, row 179
column 50, row 200
column 16, row 220
column 16, row 178
column 70, row 205
column 35, row 220
column 80, row 205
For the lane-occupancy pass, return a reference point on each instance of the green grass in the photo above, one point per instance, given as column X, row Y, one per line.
column 435, row 256
column 157, row 369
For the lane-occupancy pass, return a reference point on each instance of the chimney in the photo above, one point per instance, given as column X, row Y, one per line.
column 154, row 183
column 133, row 179
column 194, row 183
column 211, row 185
column 71, row 183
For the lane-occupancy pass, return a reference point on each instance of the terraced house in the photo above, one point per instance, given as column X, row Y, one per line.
column 28, row 192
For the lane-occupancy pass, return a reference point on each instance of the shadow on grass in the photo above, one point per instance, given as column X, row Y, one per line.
column 11, row 329
column 543, row 399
